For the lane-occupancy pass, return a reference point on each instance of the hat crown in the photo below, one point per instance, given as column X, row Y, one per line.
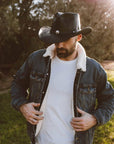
column 64, row 23
column 64, row 26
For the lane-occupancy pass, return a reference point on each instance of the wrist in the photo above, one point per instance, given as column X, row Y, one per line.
column 21, row 107
column 94, row 120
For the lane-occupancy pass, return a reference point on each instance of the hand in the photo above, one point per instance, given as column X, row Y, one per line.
column 83, row 123
column 30, row 113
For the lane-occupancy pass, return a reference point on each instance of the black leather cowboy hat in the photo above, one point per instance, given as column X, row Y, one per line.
column 64, row 26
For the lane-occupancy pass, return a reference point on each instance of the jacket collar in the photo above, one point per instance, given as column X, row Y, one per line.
column 81, row 58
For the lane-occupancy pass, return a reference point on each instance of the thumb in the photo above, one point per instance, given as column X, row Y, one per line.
column 36, row 104
column 81, row 111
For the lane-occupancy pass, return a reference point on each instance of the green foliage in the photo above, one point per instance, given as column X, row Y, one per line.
column 8, row 36
column 18, row 31
column 104, row 134
column 21, row 20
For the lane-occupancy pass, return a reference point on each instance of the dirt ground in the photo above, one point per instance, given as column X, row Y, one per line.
column 5, row 81
column 108, row 65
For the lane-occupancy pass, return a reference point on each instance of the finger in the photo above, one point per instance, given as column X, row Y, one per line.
column 35, row 104
column 36, row 116
column 33, row 121
column 77, row 119
column 33, row 114
column 77, row 126
column 80, row 111
column 78, row 130
column 38, row 112
column 77, row 123
column 40, row 117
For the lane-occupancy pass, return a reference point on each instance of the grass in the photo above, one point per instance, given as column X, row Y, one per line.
column 13, row 125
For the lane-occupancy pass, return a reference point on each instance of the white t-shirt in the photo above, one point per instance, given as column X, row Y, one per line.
column 56, row 127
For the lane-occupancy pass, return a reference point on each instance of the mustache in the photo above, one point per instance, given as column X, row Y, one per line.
column 61, row 49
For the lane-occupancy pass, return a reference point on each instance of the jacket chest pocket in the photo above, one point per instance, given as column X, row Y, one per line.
column 36, row 81
column 87, row 98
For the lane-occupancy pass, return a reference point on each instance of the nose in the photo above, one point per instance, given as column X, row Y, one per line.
column 59, row 45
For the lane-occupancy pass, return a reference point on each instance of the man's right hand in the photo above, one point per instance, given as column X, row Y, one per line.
column 30, row 113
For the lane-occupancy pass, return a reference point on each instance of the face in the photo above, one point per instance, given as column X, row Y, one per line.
column 66, row 48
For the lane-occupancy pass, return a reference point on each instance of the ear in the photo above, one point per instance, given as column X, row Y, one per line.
column 79, row 37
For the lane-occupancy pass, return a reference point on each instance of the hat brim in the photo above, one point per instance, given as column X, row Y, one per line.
column 46, row 36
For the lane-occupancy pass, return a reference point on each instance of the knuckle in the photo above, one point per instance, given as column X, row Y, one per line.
column 33, row 123
column 30, row 115
column 83, row 129
column 83, row 124
column 82, row 120
column 33, row 112
column 39, row 118
column 32, row 103
column 40, row 113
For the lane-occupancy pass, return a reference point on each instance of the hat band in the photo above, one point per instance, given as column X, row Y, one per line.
column 58, row 32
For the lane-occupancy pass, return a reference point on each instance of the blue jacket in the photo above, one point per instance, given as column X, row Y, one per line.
column 92, row 92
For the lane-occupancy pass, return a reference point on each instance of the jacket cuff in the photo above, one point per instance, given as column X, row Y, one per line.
column 97, row 119
column 99, row 115
column 19, row 103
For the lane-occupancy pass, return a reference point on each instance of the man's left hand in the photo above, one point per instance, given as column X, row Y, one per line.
column 83, row 123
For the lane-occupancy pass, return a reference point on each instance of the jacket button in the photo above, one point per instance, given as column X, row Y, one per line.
column 77, row 138
column 43, row 92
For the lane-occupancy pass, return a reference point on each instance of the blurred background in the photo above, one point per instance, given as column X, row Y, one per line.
column 20, row 21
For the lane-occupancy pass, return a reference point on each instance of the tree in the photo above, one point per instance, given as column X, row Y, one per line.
column 9, row 28
column 18, row 31
column 21, row 20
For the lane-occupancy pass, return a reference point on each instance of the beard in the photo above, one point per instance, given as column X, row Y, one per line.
column 64, row 53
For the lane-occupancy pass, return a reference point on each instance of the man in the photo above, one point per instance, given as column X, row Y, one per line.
column 63, row 87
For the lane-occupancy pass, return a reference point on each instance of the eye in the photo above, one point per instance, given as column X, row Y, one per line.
column 67, row 40
column 56, row 43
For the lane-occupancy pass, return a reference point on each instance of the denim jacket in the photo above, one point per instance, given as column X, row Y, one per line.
column 89, row 86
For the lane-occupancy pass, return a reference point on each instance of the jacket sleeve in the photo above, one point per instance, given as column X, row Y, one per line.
column 20, row 85
column 105, row 99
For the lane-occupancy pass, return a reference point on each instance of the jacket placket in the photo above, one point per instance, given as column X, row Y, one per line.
column 75, row 95
column 43, row 92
